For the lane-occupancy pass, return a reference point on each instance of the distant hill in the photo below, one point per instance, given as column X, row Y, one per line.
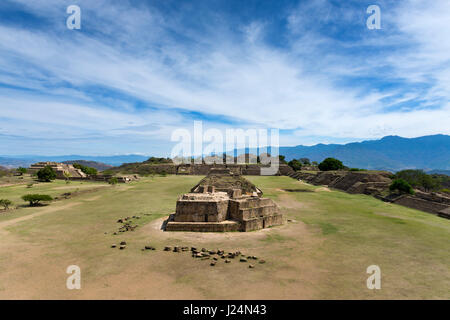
column 389, row 153
column 92, row 164
column 14, row 163
column 445, row 172
column 27, row 160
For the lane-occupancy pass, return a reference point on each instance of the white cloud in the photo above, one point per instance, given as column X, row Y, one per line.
column 133, row 51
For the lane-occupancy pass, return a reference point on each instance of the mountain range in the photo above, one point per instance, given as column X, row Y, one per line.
column 391, row 153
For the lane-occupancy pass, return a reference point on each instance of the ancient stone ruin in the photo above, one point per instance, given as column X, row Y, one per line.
column 59, row 168
column 224, row 201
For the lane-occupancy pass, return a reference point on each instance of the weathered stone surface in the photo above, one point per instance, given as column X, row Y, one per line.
column 231, row 203
column 225, row 226
column 445, row 213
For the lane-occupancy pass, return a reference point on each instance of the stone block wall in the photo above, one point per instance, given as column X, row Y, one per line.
column 228, row 226
column 197, row 209
column 421, row 204
column 255, row 213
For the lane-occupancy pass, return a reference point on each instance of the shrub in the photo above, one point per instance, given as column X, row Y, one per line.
column 402, row 186
column 446, row 190
column 87, row 170
column 21, row 170
column 331, row 164
column 163, row 173
column 30, row 185
column 5, row 203
column 34, row 199
column 113, row 181
column 419, row 179
column 46, row 174
column 154, row 160
column 305, row 161
column 295, row 164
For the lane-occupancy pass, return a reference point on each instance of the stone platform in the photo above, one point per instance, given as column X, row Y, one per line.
column 224, row 226
column 223, row 202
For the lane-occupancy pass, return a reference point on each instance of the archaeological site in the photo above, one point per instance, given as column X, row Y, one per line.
column 224, row 201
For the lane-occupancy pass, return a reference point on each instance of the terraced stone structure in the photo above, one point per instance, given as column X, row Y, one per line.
column 224, row 201
column 60, row 169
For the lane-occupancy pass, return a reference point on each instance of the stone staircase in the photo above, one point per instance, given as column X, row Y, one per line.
column 294, row 175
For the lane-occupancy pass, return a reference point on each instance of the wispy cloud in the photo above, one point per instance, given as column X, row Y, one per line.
column 132, row 74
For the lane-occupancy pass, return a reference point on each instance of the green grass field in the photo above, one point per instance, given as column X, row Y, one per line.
column 321, row 253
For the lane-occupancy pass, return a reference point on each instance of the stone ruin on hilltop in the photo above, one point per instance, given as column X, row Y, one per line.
column 221, row 202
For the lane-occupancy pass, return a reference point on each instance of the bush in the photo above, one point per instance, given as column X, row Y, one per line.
column 419, row 179
column 154, row 160
column 295, row 164
column 402, row 186
column 34, row 199
column 305, row 161
column 30, row 185
column 5, row 203
column 21, row 170
column 46, row 174
column 331, row 164
column 113, row 181
column 87, row 170
column 446, row 190
column 357, row 169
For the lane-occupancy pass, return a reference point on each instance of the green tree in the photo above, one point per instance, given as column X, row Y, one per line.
column 46, row 174
column 34, row 199
column 295, row 164
column 282, row 159
column 402, row 186
column 419, row 179
column 305, row 161
column 331, row 164
column 113, row 181
column 429, row 183
column 21, row 170
column 5, row 203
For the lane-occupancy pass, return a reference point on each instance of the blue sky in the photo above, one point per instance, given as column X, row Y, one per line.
column 138, row 70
